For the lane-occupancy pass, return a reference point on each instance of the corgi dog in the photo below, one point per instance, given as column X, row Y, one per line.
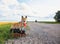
column 18, row 29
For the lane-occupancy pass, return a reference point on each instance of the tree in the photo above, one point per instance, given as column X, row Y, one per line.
column 35, row 20
column 57, row 16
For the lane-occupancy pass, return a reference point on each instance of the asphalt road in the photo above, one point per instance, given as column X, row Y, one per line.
column 40, row 33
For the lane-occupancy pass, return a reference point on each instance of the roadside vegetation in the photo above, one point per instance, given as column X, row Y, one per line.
column 4, row 32
column 49, row 22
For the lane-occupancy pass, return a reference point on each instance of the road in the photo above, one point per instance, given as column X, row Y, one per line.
column 40, row 33
column 47, row 33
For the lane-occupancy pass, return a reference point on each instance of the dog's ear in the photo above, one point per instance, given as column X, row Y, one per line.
column 25, row 16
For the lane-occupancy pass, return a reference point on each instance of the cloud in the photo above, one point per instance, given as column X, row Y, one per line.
column 13, row 9
column 24, row 1
column 21, row 1
column 1, row 2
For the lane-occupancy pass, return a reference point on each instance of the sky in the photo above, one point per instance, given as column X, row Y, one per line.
column 42, row 10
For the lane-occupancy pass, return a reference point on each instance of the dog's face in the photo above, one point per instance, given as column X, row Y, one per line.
column 23, row 19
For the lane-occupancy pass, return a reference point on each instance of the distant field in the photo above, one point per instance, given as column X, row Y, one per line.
column 50, row 22
column 2, row 23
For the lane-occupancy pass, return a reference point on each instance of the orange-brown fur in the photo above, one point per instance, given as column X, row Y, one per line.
column 19, row 25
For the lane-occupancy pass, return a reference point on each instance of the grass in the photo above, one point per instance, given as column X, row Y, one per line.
column 4, row 32
column 49, row 22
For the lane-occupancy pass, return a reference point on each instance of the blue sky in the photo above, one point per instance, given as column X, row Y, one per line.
column 43, row 10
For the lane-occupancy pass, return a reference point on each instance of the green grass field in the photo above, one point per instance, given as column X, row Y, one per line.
column 4, row 33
